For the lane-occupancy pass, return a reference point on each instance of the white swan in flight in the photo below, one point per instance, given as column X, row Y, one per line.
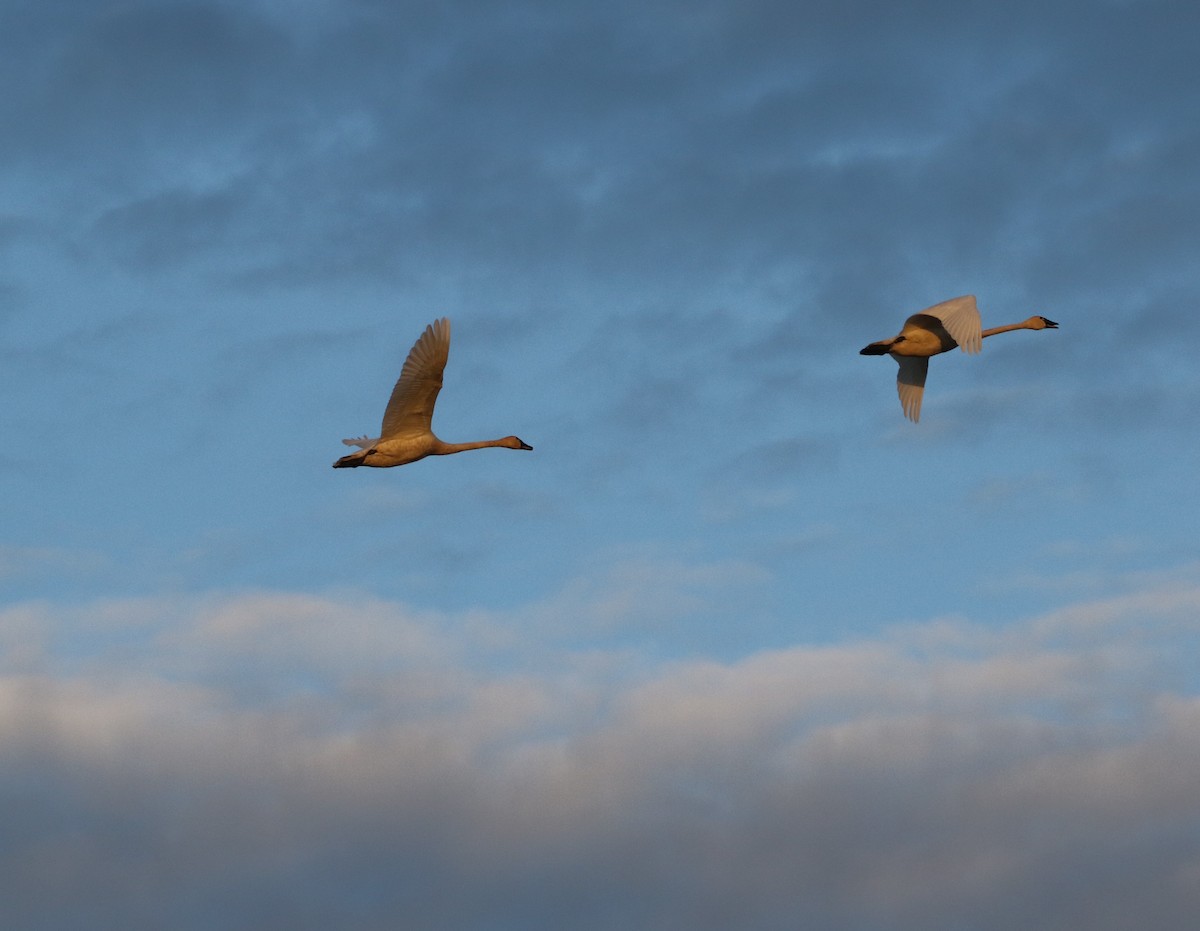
column 938, row 329
column 407, row 433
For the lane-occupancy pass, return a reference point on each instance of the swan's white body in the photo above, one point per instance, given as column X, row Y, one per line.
column 407, row 433
column 934, row 330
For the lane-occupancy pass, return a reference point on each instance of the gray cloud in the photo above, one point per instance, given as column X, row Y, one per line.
column 724, row 144
column 844, row 169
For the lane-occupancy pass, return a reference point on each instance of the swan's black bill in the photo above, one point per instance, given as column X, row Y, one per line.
column 1050, row 324
column 524, row 445
column 875, row 349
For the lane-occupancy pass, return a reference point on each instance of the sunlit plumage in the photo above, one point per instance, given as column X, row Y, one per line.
column 407, row 433
column 934, row 330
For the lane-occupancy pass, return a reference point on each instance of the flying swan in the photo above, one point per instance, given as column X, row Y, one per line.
column 406, row 435
column 938, row 329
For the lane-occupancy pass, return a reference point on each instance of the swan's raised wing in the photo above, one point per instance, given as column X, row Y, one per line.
column 910, row 384
column 362, row 442
column 960, row 317
column 410, row 409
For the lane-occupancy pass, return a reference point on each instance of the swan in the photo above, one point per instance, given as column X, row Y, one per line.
column 406, row 435
column 938, row 329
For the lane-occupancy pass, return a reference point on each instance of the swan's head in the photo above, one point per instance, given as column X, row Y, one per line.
column 515, row 442
column 1041, row 323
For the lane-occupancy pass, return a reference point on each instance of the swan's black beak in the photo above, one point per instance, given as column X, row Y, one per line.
column 1050, row 324
column 524, row 445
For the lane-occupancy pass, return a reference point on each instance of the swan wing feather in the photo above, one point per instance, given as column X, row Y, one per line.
column 910, row 384
column 410, row 408
column 960, row 317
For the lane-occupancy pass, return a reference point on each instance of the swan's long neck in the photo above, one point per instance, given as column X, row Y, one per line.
column 445, row 449
column 992, row 331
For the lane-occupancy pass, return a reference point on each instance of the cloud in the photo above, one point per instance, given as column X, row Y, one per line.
column 137, row 77
column 939, row 774
column 646, row 592
column 41, row 562
column 586, row 161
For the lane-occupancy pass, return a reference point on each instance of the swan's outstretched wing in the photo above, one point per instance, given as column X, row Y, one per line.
column 910, row 384
column 410, row 409
column 960, row 317
column 362, row 442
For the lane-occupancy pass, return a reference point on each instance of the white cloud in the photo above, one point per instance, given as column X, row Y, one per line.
column 940, row 772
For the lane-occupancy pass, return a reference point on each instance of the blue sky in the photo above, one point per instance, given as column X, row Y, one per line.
column 736, row 645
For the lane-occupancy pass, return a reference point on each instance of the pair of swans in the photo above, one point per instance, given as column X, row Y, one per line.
column 938, row 329
column 407, row 433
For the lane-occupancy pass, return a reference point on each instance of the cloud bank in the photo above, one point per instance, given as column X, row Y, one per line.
column 283, row 761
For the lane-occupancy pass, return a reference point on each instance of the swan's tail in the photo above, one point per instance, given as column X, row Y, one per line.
column 353, row 461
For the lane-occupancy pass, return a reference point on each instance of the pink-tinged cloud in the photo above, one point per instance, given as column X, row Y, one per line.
column 942, row 775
